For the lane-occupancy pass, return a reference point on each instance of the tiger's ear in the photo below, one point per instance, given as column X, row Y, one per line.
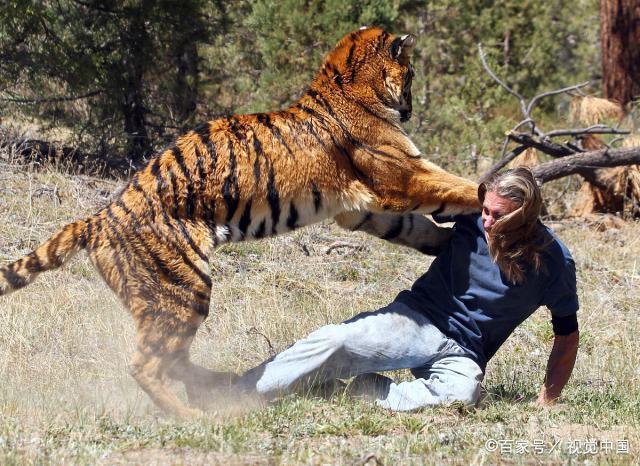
column 402, row 46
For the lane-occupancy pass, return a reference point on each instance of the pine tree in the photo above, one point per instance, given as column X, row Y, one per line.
column 135, row 61
column 620, row 39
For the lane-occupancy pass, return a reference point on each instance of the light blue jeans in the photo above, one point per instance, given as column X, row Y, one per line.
column 394, row 337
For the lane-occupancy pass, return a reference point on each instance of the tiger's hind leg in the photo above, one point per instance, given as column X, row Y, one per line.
column 163, row 342
column 166, row 327
column 160, row 342
column 166, row 286
column 169, row 331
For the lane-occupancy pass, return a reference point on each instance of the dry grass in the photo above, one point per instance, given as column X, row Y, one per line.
column 65, row 395
column 529, row 158
column 623, row 193
column 591, row 110
column 633, row 140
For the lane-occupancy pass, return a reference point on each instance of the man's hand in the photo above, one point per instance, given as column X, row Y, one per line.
column 559, row 367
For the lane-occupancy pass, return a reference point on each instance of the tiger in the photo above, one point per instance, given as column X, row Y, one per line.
column 338, row 152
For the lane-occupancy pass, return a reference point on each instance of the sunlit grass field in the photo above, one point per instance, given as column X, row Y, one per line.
column 66, row 396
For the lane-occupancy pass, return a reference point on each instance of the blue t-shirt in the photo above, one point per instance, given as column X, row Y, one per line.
column 466, row 296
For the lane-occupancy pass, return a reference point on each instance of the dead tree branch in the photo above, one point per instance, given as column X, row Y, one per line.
column 581, row 162
column 523, row 103
column 255, row 331
column 564, row 90
column 344, row 245
column 43, row 153
column 25, row 101
column 526, row 108
column 595, row 129
column 545, row 146
column 586, row 162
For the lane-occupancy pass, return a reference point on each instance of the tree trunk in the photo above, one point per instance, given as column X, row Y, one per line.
column 620, row 41
column 185, row 94
column 134, row 40
column 134, row 123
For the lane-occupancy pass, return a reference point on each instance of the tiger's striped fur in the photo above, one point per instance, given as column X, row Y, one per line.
column 338, row 152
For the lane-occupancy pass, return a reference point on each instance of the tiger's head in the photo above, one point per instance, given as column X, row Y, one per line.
column 373, row 68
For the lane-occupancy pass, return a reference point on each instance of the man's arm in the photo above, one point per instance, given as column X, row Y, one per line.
column 559, row 367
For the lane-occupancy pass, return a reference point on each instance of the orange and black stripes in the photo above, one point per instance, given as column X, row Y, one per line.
column 337, row 152
column 292, row 219
column 265, row 120
column 317, row 197
column 273, row 198
column 50, row 255
column 230, row 188
column 245, row 219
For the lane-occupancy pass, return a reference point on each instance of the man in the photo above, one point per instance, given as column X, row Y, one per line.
column 494, row 272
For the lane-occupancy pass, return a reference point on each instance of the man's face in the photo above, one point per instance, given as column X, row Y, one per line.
column 493, row 208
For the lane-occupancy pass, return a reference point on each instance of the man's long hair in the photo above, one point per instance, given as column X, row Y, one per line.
column 517, row 240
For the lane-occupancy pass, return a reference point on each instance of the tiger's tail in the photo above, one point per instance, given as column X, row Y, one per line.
column 49, row 255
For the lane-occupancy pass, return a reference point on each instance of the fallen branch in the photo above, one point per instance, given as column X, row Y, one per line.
column 586, row 162
column 344, row 245
column 564, row 90
column 255, row 331
column 483, row 59
column 543, row 145
column 24, row 100
column 43, row 153
column 556, row 150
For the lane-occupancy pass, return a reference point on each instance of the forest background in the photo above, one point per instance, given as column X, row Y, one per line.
column 120, row 79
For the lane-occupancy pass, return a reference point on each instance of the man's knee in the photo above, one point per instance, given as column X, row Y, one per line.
column 464, row 381
column 453, row 379
column 453, row 390
column 468, row 395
